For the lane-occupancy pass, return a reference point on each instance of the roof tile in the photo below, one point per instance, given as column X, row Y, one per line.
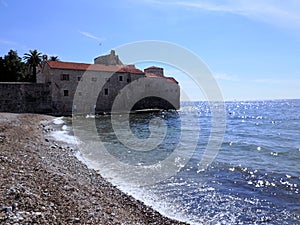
column 93, row 67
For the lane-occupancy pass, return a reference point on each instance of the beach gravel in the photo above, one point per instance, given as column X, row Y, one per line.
column 42, row 182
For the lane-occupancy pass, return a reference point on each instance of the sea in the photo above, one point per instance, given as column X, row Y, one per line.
column 253, row 177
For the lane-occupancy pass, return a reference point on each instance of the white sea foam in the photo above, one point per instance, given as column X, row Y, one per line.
column 64, row 136
column 62, row 133
column 58, row 121
column 167, row 207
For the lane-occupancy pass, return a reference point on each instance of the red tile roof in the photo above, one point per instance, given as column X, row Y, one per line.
column 172, row 79
column 152, row 75
column 99, row 67
column 130, row 69
column 153, row 67
column 93, row 67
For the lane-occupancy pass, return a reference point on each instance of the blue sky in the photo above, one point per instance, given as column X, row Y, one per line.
column 251, row 47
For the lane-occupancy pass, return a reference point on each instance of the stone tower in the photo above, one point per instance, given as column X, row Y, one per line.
column 109, row 60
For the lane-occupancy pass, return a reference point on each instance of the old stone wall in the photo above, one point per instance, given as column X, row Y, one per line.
column 25, row 98
column 96, row 90
column 148, row 93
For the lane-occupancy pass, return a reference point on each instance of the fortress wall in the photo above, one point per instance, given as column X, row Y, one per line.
column 162, row 93
column 150, row 93
column 25, row 98
column 50, row 99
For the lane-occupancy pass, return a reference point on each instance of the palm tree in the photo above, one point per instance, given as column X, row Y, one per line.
column 54, row 58
column 33, row 59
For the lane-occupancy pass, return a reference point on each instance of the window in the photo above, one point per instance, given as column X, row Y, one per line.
column 120, row 78
column 128, row 80
column 106, row 91
column 94, row 79
column 64, row 77
column 78, row 78
column 66, row 92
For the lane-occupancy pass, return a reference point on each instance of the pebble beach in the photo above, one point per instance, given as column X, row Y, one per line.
column 42, row 181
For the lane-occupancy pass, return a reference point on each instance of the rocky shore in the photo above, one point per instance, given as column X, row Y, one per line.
column 42, row 182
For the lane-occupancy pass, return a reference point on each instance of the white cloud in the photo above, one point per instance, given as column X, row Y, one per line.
column 277, row 12
column 7, row 42
column 92, row 36
column 224, row 76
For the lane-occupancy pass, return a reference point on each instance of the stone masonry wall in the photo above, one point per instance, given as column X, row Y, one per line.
column 25, row 98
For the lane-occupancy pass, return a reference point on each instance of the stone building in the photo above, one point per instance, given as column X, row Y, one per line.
column 106, row 79
column 111, row 59
column 103, row 87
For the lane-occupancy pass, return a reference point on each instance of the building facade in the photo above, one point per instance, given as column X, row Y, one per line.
column 103, row 87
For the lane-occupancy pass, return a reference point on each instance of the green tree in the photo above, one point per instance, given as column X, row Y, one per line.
column 12, row 68
column 33, row 59
column 2, row 70
column 54, row 58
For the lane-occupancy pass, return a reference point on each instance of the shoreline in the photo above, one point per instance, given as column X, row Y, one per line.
column 42, row 181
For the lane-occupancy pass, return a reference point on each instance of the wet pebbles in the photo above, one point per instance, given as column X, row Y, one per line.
column 42, row 182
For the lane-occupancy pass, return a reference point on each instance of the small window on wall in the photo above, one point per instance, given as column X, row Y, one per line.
column 106, row 91
column 78, row 78
column 128, row 80
column 94, row 79
column 66, row 92
column 64, row 77
column 120, row 78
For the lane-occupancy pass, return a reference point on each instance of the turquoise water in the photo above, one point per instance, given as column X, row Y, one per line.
column 254, row 179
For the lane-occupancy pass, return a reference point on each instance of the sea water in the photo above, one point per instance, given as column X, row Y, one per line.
column 254, row 179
